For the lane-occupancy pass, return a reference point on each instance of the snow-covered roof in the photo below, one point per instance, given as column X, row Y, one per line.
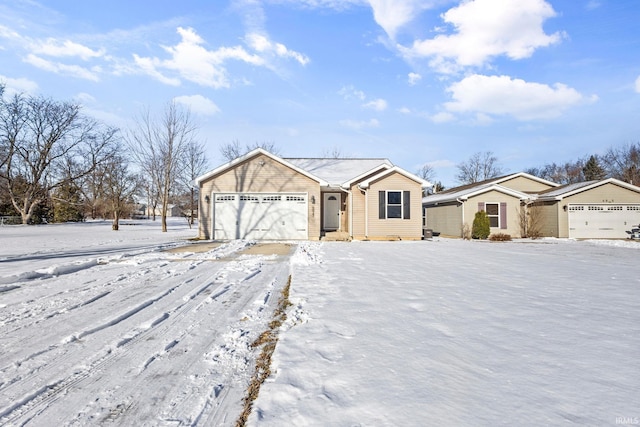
column 339, row 171
column 253, row 153
column 464, row 193
column 328, row 172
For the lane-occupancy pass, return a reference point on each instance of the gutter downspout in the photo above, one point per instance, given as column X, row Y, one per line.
column 350, row 211
column 366, row 213
column 462, row 208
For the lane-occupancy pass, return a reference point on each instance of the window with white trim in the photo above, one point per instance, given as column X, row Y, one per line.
column 493, row 212
column 394, row 204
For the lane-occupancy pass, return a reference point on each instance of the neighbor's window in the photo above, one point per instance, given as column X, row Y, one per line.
column 493, row 212
column 394, row 204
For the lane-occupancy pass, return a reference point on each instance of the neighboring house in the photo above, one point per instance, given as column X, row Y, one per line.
column 502, row 198
column 605, row 209
column 172, row 211
column 263, row 196
column 594, row 209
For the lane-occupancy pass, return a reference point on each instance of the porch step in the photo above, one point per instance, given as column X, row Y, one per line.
column 336, row 236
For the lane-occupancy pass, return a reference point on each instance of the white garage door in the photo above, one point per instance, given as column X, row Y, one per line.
column 271, row 216
column 602, row 221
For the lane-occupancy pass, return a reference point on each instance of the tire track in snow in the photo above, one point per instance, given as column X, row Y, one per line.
column 44, row 396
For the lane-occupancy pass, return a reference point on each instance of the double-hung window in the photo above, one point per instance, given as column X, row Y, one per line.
column 493, row 212
column 394, row 204
column 497, row 213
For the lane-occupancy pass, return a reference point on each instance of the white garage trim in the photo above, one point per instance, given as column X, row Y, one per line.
column 602, row 221
column 268, row 216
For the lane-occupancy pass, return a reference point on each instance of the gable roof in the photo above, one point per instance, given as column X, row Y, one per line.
column 504, row 178
column 254, row 153
column 499, row 180
column 326, row 171
column 462, row 194
column 366, row 183
column 578, row 187
column 337, row 172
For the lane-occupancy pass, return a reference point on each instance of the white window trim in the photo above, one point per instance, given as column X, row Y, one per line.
column 490, row 216
column 386, row 204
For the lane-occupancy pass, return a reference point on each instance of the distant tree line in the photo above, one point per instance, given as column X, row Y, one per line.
column 59, row 165
column 621, row 162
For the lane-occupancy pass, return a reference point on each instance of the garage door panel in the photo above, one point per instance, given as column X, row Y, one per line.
column 275, row 216
column 225, row 214
column 602, row 221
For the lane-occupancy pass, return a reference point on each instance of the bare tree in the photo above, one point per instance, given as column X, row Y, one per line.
column 479, row 167
column 623, row 163
column 194, row 163
column 334, row 153
column 427, row 173
column 158, row 146
column 233, row 150
column 46, row 144
column 119, row 185
column 567, row 173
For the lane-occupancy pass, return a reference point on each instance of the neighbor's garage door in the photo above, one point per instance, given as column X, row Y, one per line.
column 272, row 216
column 602, row 221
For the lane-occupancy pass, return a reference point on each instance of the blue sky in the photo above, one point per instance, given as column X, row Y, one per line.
column 430, row 81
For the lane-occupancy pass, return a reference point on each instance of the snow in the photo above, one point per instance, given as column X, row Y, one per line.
column 459, row 333
column 339, row 171
column 112, row 327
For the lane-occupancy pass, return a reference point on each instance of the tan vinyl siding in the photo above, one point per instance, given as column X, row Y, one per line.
column 526, row 185
column 548, row 212
column 358, row 213
column 260, row 174
column 513, row 207
column 607, row 193
column 446, row 219
column 406, row 229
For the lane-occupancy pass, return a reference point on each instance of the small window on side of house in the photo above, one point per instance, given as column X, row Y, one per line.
column 493, row 212
column 394, row 204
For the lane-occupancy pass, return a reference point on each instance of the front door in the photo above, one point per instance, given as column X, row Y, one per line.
column 331, row 211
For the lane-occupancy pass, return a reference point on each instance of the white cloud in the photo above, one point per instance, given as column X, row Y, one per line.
column 487, row 96
column 64, row 69
column 443, row 163
column 442, row 117
column 376, row 104
column 262, row 44
column 593, row 4
column 359, row 125
column 484, row 29
column 198, row 104
column 638, row 84
column 194, row 62
column 404, row 110
column 8, row 33
column 55, row 48
column 392, row 15
column 85, row 98
column 414, row 78
column 149, row 66
column 17, row 86
column 350, row 92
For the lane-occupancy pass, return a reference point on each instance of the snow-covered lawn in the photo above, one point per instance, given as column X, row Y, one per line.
column 457, row 333
column 100, row 326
